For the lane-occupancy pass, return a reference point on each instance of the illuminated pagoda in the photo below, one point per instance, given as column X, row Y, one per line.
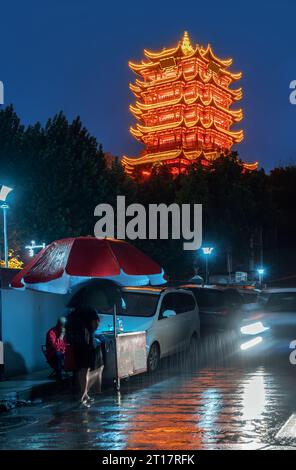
column 183, row 108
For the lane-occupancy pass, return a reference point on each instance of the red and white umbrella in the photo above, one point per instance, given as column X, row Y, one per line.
column 72, row 261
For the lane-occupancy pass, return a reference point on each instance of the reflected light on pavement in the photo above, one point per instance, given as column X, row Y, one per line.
column 254, row 399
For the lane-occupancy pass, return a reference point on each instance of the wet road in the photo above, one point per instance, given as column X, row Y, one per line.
column 232, row 404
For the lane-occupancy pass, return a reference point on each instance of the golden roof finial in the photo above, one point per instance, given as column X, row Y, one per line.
column 186, row 44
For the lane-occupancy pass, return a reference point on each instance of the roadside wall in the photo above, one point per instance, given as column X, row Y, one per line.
column 26, row 317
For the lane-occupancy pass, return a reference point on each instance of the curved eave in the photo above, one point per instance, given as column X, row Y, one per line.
column 237, row 114
column 191, row 155
column 233, row 76
column 134, row 88
column 162, row 54
column 251, row 166
column 136, row 133
column 135, row 111
column 237, row 94
column 139, row 68
column 148, row 158
column 140, row 130
column 209, row 52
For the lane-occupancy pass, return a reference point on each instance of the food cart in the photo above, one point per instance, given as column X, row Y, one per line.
column 125, row 356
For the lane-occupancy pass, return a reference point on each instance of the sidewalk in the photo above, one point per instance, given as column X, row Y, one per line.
column 26, row 387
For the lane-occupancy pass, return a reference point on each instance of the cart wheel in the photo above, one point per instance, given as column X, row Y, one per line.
column 153, row 358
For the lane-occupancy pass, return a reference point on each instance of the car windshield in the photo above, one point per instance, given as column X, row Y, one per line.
column 281, row 302
column 138, row 304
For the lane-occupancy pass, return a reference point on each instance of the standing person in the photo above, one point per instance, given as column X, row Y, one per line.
column 56, row 346
column 89, row 355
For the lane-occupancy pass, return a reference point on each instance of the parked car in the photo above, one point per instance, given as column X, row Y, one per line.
column 220, row 308
column 168, row 315
column 273, row 323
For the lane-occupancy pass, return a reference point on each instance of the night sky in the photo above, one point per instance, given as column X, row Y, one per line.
column 72, row 55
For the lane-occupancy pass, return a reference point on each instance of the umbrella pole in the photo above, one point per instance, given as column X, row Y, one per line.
column 116, row 379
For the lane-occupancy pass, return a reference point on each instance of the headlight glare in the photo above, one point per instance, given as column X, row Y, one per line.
column 253, row 328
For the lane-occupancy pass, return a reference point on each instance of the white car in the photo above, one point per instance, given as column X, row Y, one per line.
column 168, row 315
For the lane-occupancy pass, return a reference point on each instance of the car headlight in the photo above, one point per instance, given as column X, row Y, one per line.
column 251, row 343
column 253, row 328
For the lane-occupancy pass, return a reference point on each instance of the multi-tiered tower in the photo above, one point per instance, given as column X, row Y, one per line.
column 183, row 108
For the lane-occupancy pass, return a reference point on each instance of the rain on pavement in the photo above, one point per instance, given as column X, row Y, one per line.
column 228, row 402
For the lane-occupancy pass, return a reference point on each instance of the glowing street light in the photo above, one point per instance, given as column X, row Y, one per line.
column 4, row 191
column 33, row 247
column 207, row 251
column 261, row 272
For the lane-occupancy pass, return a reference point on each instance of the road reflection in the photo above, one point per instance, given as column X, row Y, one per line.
column 208, row 409
column 226, row 407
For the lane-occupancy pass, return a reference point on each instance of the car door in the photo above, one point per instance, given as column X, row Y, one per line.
column 186, row 319
column 167, row 328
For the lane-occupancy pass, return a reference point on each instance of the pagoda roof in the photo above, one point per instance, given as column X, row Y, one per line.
column 141, row 108
column 140, row 130
column 208, row 52
column 161, row 156
column 141, row 86
column 190, row 155
column 184, row 49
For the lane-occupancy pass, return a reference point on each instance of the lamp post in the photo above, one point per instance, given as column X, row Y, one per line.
column 207, row 250
column 4, row 191
column 261, row 272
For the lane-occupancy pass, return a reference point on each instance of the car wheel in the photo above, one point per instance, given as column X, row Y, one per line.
column 153, row 358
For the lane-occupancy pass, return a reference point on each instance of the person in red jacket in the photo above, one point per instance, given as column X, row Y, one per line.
column 56, row 346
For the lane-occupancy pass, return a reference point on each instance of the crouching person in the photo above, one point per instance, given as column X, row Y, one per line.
column 56, row 347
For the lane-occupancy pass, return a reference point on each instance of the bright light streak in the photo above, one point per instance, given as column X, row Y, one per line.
column 253, row 328
column 250, row 344
column 254, row 399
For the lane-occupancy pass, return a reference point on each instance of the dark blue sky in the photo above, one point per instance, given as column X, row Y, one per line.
column 72, row 55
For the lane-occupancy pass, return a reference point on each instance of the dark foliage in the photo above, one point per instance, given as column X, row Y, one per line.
column 59, row 174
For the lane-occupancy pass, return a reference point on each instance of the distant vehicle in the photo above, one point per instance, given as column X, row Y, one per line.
column 219, row 307
column 273, row 322
column 168, row 315
column 250, row 296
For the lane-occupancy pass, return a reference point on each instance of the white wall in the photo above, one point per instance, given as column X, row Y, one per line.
column 26, row 317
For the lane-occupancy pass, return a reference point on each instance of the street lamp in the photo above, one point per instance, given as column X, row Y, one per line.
column 207, row 250
column 261, row 272
column 4, row 191
column 33, row 247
